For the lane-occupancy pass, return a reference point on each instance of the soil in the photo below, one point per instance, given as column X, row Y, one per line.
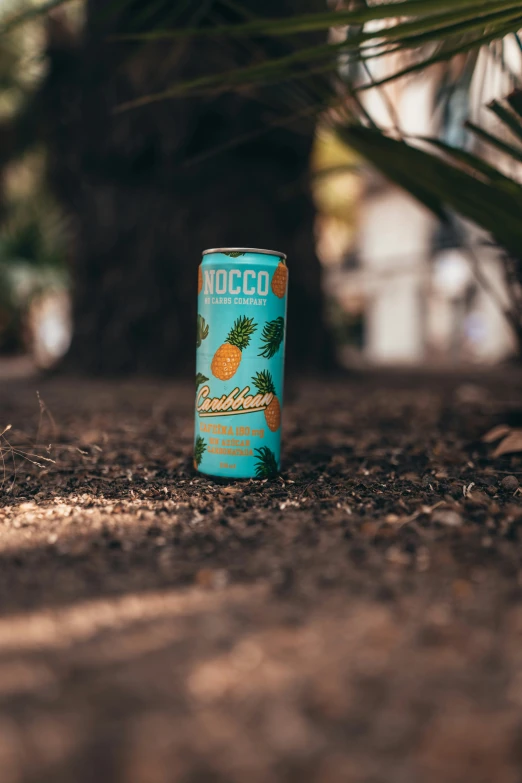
column 357, row 620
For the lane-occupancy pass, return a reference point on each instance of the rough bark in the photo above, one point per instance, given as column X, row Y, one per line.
column 150, row 188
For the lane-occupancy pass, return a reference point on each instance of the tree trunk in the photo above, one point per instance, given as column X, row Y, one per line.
column 150, row 188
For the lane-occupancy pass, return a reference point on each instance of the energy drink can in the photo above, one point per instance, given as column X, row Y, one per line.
column 241, row 328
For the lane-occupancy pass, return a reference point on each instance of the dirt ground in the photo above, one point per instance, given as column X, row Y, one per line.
column 358, row 620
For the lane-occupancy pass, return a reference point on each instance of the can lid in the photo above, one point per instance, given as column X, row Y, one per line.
column 244, row 250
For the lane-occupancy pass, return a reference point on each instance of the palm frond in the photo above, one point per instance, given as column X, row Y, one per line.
column 471, row 162
column 507, row 117
column 429, row 15
column 447, row 51
column 438, row 31
column 276, row 70
column 449, row 27
column 494, row 203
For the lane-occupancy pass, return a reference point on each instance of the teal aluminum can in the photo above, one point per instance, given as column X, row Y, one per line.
column 241, row 329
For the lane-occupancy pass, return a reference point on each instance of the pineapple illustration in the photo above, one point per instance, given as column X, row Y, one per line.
column 228, row 356
column 264, row 383
column 202, row 332
column 199, row 449
column 273, row 334
column 200, row 279
column 200, row 378
column 280, row 279
column 266, row 466
column 233, row 253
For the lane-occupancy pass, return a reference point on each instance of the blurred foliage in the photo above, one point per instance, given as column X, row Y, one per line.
column 33, row 232
column 33, row 238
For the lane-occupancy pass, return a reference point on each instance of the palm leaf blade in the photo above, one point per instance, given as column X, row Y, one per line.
column 495, row 142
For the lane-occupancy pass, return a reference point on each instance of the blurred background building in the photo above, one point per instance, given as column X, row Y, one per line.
column 403, row 288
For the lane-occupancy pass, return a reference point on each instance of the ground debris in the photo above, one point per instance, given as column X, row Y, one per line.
column 357, row 619
column 447, row 517
column 510, row 483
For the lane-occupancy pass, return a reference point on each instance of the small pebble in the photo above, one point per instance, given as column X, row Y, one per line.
column 448, row 518
column 510, row 483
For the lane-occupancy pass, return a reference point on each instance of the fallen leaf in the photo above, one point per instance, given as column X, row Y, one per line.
column 510, row 445
column 496, row 433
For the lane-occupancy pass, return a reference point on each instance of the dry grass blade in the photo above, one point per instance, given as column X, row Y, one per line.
column 13, row 451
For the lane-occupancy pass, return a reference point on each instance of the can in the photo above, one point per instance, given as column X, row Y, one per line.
column 241, row 330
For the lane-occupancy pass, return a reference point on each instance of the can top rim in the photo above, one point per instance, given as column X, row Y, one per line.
column 244, row 250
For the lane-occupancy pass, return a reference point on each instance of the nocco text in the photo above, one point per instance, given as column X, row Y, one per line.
column 236, row 281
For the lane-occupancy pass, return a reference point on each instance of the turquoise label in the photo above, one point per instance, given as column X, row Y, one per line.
column 240, row 364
